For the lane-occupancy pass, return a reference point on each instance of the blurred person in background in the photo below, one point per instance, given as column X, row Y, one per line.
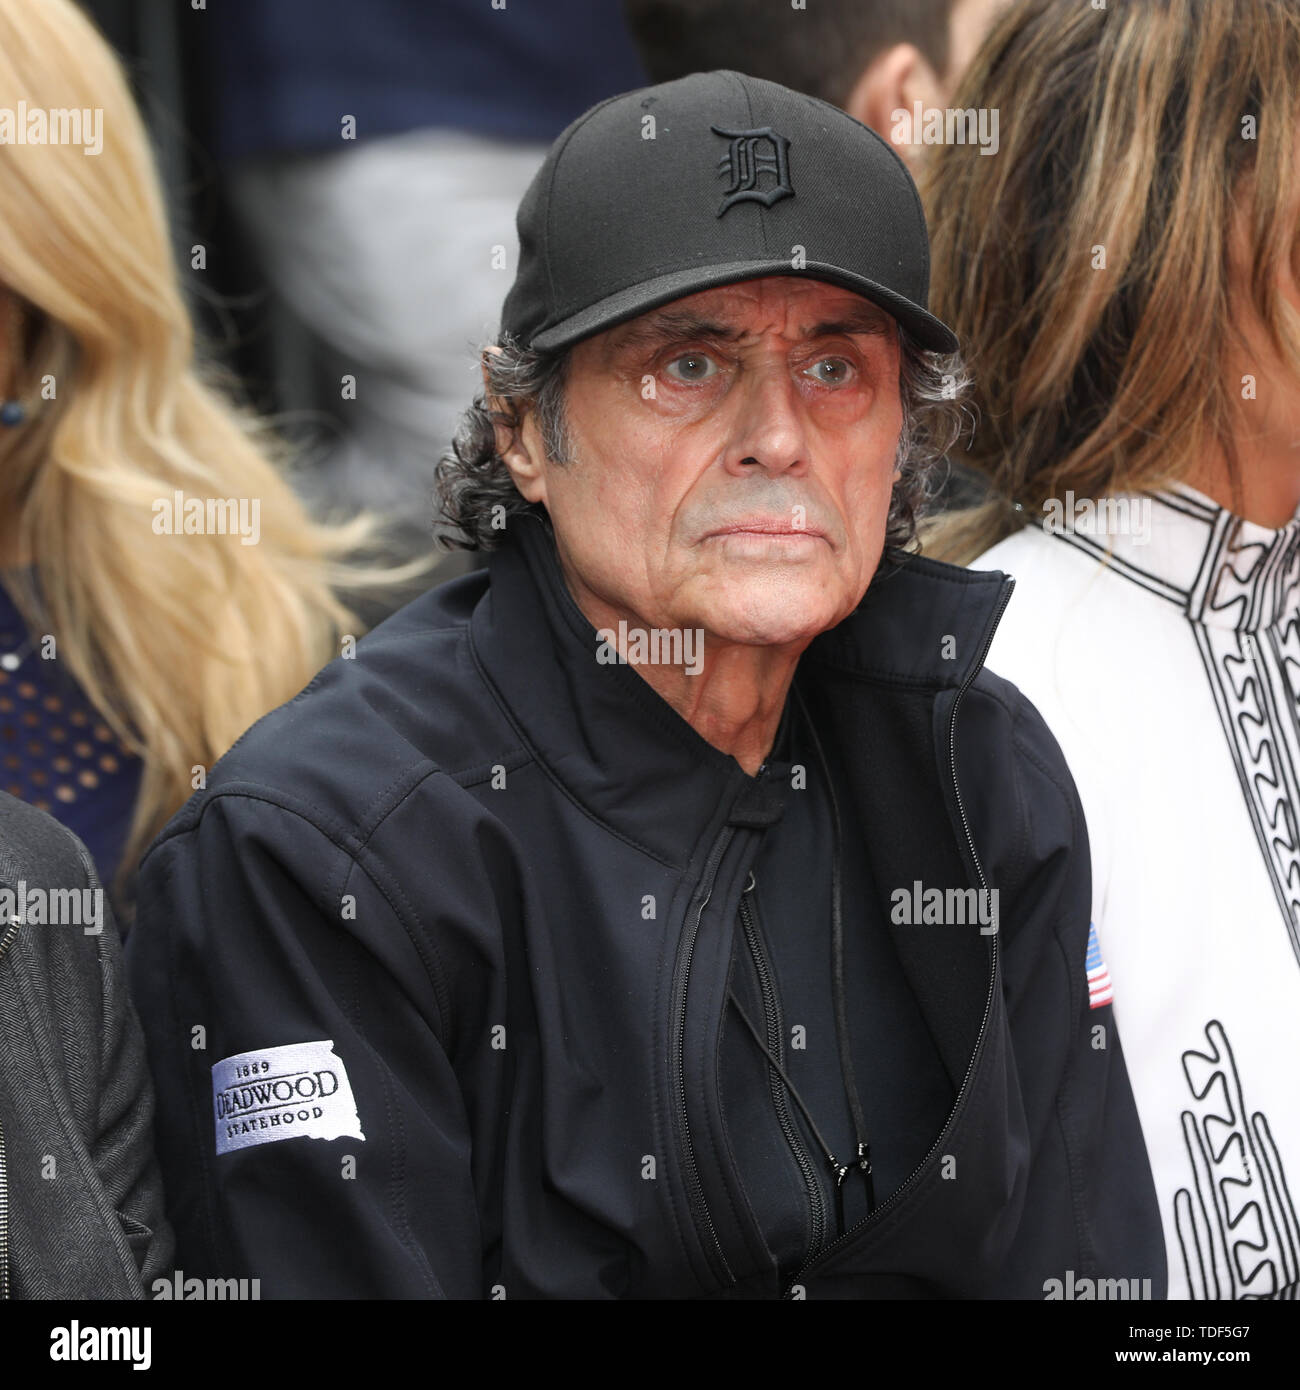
column 871, row 58
column 1124, row 276
column 137, row 640
column 376, row 155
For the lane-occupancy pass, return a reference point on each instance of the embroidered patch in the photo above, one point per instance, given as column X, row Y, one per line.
column 282, row 1093
column 1099, row 990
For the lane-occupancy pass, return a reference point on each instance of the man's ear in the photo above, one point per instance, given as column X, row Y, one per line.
column 894, row 81
column 521, row 448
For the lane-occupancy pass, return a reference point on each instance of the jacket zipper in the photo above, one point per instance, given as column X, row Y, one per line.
column 1005, row 598
column 912, row 1177
column 771, row 1013
column 694, row 1187
column 4, row 1176
column 901, row 1192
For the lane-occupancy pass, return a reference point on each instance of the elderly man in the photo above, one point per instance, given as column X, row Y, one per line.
column 674, row 909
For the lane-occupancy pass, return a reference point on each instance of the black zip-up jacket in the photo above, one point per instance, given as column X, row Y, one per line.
column 496, row 882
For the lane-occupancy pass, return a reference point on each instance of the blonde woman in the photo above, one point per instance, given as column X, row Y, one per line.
column 163, row 587
column 1124, row 278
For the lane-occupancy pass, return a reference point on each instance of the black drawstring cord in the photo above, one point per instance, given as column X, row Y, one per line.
column 838, row 1170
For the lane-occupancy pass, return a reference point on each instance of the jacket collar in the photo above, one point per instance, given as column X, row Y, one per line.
column 624, row 753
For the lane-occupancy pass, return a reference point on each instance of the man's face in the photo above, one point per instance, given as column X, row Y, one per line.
column 734, row 454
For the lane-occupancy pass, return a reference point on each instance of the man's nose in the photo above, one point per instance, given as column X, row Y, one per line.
column 769, row 428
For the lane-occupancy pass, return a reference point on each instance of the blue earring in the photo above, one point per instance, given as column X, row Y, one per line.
column 12, row 413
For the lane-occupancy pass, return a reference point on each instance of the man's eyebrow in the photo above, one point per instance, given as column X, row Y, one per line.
column 670, row 325
column 674, row 324
column 863, row 320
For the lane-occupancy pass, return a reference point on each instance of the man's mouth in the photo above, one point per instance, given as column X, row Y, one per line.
column 773, row 529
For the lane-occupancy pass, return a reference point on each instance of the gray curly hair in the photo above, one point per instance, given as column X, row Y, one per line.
column 477, row 495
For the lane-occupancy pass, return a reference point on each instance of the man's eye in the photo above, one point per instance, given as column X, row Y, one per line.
column 691, row 366
column 831, row 371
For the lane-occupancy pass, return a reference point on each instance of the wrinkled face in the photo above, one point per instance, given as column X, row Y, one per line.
column 734, row 454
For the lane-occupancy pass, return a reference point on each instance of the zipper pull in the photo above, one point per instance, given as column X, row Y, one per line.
column 864, row 1166
column 841, row 1171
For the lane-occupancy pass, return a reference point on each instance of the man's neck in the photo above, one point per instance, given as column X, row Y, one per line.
column 736, row 701
column 731, row 693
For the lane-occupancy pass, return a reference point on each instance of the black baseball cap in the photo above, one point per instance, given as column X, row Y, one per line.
column 713, row 178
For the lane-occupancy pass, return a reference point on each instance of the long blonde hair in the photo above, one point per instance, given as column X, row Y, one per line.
column 1134, row 128
column 180, row 641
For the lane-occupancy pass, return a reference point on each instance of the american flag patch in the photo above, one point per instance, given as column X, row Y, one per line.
column 1099, row 989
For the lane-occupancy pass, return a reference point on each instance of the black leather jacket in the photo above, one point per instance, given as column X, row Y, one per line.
column 81, row 1205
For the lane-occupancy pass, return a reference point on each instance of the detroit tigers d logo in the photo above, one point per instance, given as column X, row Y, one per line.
column 751, row 156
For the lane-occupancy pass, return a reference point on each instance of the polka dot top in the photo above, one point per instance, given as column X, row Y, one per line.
column 56, row 752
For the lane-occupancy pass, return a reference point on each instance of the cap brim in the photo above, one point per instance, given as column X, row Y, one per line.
column 663, row 289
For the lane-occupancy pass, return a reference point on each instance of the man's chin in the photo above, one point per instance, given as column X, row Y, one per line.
column 779, row 625
column 768, row 607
